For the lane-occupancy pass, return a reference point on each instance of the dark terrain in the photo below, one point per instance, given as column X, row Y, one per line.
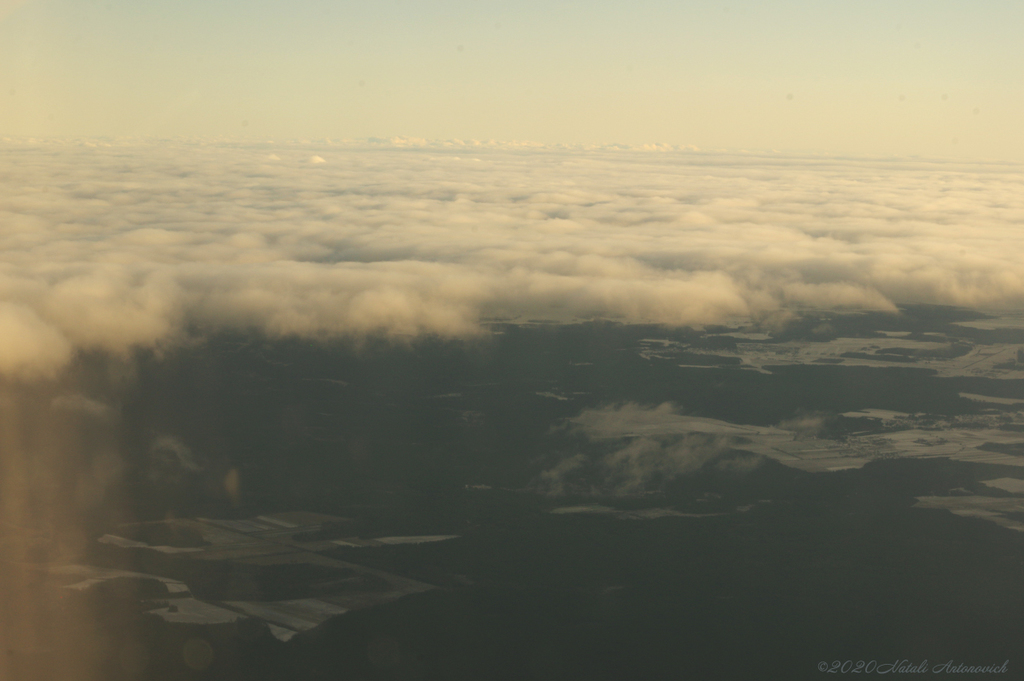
column 775, row 571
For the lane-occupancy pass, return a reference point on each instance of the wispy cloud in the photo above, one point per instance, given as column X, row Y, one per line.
column 650, row 447
column 115, row 247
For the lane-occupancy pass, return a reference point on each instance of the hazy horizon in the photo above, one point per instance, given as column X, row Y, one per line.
column 891, row 79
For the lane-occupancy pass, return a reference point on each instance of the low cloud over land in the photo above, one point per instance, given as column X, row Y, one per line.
column 649, row 446
column 123, row 246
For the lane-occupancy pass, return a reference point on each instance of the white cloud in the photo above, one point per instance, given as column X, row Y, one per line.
column 124, row 245
column 655, row 445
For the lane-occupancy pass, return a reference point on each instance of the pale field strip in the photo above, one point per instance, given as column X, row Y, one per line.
column 218, row 535
column 264, row 541
column 211, row 532
column 91, row 575
column 907, row 439
column 639, row 514
column 297, row 615
column 180, row 606
column 192, row 611
column 585, row 508
column 991, row 400
column 678, row 424
column 745, row 335
column 1000, row 322
column 940, row 440
column 276, row 521
column 356, row 542
column 1014, row 485
column 417, row 539
column 114, row 540
column 992, row 509
column 820, row 455
column 980, row 361
column 245, row 526
column 658, row 348
column 280, row 633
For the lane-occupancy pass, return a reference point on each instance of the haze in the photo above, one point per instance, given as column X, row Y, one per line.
column 891, row 78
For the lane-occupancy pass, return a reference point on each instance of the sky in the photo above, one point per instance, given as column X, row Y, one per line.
column 895, row 78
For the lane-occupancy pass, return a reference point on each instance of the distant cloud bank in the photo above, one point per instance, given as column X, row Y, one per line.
column 122, row 246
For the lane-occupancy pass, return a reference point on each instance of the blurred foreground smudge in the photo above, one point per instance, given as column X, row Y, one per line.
column 57, row 463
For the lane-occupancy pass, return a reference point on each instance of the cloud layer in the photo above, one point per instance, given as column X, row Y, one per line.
column 119, row 246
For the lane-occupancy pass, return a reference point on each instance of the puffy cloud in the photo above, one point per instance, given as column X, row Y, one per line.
column 117, row 246
column 651, row 446
column 171, row 460
column 28, row 345
column 648, row 461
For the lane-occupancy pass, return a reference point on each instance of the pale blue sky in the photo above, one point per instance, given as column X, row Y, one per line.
column 712, row 74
